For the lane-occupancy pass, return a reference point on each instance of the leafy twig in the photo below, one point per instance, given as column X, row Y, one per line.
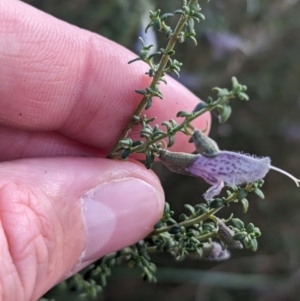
column 186, row 14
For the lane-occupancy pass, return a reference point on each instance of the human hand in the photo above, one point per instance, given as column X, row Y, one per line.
column 65, row 96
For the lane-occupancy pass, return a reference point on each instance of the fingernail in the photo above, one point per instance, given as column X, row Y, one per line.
column 118, row 214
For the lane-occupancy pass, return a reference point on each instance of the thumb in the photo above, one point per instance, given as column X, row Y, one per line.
column 59, row 214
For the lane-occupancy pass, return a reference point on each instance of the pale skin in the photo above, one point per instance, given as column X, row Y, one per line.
column 65, row 96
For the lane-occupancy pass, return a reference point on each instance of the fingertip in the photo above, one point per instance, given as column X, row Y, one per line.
column 121, row 212
column 63, row 208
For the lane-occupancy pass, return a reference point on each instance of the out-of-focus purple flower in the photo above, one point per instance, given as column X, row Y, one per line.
column 223, row 43
column 217, row 253
column 149, row 38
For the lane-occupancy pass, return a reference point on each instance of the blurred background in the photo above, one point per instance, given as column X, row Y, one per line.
column 258, row 41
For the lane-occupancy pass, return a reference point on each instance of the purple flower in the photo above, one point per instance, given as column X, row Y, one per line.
column 217, row 253
column 230, row 168
column 225, row 167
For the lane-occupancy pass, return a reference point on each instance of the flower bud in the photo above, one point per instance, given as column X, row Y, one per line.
column 225, row 234
column 177, row 162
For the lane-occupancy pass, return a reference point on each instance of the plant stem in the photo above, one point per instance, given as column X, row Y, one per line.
column 142, row 147
column 206, row 236
column 186, row 223
column 157, row 76
column 195, row 220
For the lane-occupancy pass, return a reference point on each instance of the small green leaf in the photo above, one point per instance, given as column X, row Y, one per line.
column 198, row 16
column 179, row 12
column 221, row 92
column 145, row 132
column 158, row 225
column 174, row 229
column 144, row 53
column 149, row 159
column 148, row 26
column 200, row 252
column 126, row 153
column 144, row 262
column 238, row 223
column 166, row 15
column 186, row 9
column 209, row 226
column 190, row 208
column 162, row 79
column 245, row 204
column 239, row 236
column 182, row 114
column 134, row 60
column 156, row 53
column 157, row 133
column 171, row 140
column 202, row 207
column 209, row 100
column 126, row 142
column 256, row 232
column 156, row 23
column 217, row 203
column 243, row 96
column 234, row 82
column 148, row 104
column 181, row 37
column 151, row 72
column 142, row 92
column 242, row 193
column 190, row 24
column 225, row 112
column 103, row 280
column 259, row 193
column 136, row 143
column 136, row 118
column 250, row 228
column 181, row 243
column 168, row 125
column 167, row 207
column 171, row 52
column 253, row 244
column 168, row 32
column 200, row 106
column 173, row 122
column 182, row 217
column 155, row 92
column 177, row 73
column 154, row 14
column 168, row 245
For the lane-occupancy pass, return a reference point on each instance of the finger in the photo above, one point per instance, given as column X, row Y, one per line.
column 61, row 78
column 61, row 212
column 18, row 144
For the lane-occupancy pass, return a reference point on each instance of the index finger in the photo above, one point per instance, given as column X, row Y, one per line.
column 57, row 77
